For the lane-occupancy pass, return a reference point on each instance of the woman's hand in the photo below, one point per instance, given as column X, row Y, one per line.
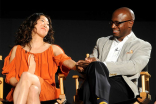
column 92, row 59
column 82, row 64
column 79, row 68
column 13, row 81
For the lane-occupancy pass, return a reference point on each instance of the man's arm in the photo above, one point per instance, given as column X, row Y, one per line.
column 95, row 53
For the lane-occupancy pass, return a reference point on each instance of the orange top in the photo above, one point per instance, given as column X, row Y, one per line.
column 46, row 67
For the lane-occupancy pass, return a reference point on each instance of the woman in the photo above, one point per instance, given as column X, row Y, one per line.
column 32, row 63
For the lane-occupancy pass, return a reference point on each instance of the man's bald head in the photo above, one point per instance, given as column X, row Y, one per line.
column 125, row 12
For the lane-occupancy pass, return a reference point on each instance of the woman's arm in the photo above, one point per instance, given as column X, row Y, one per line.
column 71, row 64
column 13, row 80
column 68, row 63
column 13, row 53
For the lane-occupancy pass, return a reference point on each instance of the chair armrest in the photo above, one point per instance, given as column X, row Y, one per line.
column 145, row 97
column 76, row 77
column 145, row 80
column 61, row 77
column 145, row 73
column 1, row 87
column 62, row 96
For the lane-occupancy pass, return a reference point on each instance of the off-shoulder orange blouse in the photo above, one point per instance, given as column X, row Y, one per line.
column 46, row 67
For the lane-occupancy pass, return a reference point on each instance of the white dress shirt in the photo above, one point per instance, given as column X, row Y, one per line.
column 115, row 49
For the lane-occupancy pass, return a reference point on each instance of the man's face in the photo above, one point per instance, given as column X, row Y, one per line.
column 120, row 28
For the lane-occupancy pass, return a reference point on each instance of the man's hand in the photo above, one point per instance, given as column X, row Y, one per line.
column 82, row 64
column 79, row 68
column 91, row 59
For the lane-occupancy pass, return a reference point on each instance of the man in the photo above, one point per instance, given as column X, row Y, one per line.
column 112, row 70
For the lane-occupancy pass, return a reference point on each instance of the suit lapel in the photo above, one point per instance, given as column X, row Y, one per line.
column 127, row 43
column 106, row 48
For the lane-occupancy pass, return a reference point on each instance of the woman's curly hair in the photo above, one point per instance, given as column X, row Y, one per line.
column 24, row 32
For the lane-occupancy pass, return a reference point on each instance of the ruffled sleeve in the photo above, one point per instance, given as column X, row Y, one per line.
column 59, row 59
column 8, row 68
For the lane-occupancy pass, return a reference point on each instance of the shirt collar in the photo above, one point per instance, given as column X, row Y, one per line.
column 126, row 38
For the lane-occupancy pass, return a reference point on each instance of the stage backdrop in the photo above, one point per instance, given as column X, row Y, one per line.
column 78, row 37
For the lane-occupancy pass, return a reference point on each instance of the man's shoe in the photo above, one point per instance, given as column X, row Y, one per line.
column 101, row 101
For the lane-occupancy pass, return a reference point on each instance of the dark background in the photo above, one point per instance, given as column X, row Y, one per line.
column 77, row 31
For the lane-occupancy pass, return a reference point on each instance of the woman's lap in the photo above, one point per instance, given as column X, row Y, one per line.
column 48, row 91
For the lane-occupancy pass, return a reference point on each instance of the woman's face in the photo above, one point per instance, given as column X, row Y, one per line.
column 42, row 26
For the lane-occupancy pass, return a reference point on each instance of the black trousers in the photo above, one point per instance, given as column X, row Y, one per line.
column 98, row 84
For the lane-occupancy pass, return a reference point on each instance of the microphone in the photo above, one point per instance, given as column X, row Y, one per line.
column 116, row 49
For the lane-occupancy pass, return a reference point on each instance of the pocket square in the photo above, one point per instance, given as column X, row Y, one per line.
column 130, row 52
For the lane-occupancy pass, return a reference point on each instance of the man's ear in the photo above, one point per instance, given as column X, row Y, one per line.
column 130, row 24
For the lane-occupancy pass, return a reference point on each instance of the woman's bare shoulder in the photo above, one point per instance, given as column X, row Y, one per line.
column 14, row 49
column 57, row 49
column 13, row 53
